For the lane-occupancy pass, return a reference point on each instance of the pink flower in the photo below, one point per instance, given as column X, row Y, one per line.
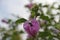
column 29, row 5
column 32, row 27
column 5, row 21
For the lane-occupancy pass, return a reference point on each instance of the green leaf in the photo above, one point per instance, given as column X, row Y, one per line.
column 57, row 25
column 50, row 37
column 42, row 16
column 45, row 5
column 40, row 5
column 21, row 32
column 21, row 20
column 59, row 7
column 33, row 14
column 35, row 8
column 45, row 34
column 34, row 11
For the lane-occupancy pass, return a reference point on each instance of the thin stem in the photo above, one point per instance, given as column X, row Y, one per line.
column 59, row 17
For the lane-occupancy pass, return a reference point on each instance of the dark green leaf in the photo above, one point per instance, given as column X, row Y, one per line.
column 35, row 8
column 59, row 7
column 42, row 16
column 45, row 5
column 21, row 32
column 21, row 20
column 40, row 5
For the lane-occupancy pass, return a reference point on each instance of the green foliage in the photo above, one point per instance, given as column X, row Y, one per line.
column 59, row 7
column 16, row 36
column 5, row 36
column 34, row 11
column 57, row 25
column 42, row 16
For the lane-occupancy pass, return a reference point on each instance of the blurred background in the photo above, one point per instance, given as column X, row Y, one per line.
column 13, row 9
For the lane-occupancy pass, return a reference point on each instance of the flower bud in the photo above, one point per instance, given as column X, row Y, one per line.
column 32, row 27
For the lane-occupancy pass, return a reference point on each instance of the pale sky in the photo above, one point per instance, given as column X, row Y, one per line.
column 8, row 7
